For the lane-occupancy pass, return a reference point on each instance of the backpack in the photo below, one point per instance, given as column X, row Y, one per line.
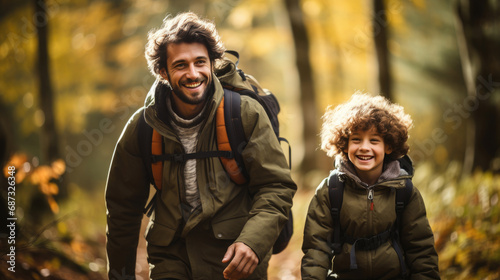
column 230, row 135
column 336, row 193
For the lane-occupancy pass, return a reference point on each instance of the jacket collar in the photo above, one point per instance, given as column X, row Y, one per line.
column 391, row 171
column 160, row 91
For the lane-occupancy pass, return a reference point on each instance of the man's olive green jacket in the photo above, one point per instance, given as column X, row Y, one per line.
column 358, row 219
column 253, row 213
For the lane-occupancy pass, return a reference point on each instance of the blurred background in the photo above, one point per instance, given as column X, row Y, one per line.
column 73, row 71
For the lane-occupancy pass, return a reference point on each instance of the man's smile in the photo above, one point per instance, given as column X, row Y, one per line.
column 193, row 84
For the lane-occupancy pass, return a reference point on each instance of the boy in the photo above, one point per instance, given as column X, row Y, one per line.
column 368, row 135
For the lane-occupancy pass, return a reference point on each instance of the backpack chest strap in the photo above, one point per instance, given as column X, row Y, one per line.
column 369, row 243
column 366, row 244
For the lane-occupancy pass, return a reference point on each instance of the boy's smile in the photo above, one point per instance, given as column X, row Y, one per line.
column 366, row 150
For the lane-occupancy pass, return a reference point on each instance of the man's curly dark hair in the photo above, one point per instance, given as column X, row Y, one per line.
column 183, row 28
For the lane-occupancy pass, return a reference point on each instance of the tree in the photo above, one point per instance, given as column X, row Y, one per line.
column 49, row 139
column 4, row 156
column 307, row 90
column 48, row 136
column 11, row 6
column 380, row 27
column 479, row 43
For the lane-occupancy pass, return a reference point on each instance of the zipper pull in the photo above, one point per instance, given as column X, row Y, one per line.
column 370, row 197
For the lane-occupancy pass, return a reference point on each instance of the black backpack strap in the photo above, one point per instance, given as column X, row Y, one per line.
column 186, row 157
column 282, row 139
column 235, row 54
column 234, row 127
column 402, row 199
column 370, row 243
column 406, row 164
column 238, row 141
column 285, row 235
column 144, row 135
column 336, row 194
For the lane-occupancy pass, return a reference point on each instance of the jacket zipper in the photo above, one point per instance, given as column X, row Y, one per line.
column 370, row 223
column 185, row 207
column 370, row 198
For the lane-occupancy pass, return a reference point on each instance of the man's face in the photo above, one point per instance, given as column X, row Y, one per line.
column 189, row 72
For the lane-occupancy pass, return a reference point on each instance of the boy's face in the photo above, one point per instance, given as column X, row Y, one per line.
column 366, row 150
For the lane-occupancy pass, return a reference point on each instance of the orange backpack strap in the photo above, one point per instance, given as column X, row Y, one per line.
column 223, row 144
column 157, row 167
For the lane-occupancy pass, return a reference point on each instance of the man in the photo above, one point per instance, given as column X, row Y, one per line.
column 204, row 226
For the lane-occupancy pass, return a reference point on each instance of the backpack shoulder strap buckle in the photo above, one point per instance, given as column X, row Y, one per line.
column 179, row 157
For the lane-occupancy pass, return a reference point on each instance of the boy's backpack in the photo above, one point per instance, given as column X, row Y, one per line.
column 230, row 135
column 336, row 193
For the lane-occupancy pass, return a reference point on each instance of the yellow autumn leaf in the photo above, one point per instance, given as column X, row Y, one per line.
column 462, row 258
column 44, row 188
column 53, row 189
column 58, row 167
column 53, row 204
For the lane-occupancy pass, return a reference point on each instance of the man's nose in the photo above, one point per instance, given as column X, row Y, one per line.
column 192, row 72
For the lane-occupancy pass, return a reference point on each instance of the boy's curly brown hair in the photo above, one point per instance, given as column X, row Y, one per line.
column 362, row 112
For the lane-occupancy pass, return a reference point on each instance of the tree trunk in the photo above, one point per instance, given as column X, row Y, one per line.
column 478, row 31
column 48, row 139
column 307, row 91
column 5, row 140
column 10, row 7
column 380, row 36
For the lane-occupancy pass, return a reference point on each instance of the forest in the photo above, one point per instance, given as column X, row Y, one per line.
column 72, row 73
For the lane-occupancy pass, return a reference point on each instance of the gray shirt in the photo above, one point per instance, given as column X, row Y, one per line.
column 187, row 131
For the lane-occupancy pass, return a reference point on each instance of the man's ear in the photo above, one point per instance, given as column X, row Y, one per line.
column 164, row 75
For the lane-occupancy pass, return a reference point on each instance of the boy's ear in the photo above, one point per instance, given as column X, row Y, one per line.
column 388, row 150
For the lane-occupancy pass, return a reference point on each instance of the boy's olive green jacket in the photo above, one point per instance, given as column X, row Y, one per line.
column 358, row 220
column 253, row 213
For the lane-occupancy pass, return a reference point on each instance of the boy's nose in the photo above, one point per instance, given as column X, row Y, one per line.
column 364, row 145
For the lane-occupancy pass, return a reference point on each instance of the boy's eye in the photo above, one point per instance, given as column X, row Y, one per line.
column 375, row 140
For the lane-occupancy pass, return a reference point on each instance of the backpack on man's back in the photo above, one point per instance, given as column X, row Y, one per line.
column 231, row 139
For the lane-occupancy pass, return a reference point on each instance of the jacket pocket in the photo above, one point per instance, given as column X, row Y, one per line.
column 230, row 228
column 159, row 235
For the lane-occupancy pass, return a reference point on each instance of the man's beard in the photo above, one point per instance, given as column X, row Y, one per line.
column 184, row 98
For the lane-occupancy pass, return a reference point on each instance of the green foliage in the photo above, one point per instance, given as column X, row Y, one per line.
column 464, row 212
column 60, row 240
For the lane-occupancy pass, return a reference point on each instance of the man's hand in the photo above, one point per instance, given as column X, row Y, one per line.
column 243, row 263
